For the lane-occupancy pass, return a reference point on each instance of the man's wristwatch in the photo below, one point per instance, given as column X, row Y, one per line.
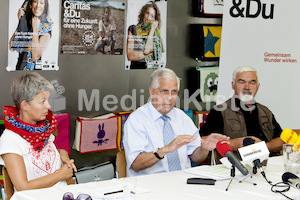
column 156, row 155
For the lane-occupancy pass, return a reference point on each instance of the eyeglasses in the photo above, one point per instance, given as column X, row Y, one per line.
column 69, row 196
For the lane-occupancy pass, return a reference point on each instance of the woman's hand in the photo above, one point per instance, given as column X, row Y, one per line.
column 66, row 172
column 21, row 13
column 154, row 25
column 149, row 43
column 70, row 163
column 66, row 160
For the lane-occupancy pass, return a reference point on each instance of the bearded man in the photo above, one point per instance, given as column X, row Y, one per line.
column 241, row 116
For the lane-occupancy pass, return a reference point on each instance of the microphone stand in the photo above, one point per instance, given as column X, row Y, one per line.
column 213, row 159
column 250, row 175
column 254, row 169
column 232, row 174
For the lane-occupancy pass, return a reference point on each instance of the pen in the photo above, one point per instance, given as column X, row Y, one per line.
column 113, row 192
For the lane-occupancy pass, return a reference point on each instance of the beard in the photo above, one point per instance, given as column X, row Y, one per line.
column 246, row 97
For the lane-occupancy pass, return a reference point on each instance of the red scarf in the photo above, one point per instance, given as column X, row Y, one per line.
column 36, row 135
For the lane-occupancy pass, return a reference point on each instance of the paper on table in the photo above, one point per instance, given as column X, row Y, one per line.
column 138, row 191
column 217, row 172
column 98, row 194
column 227, row 164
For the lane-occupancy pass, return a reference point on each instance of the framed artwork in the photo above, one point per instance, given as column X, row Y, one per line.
column 205, row 41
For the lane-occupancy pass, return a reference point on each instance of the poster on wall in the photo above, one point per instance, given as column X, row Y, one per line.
column 264, row 34
column 146, row 34
column 92, row 27
column 207, row 8
column 33, row 34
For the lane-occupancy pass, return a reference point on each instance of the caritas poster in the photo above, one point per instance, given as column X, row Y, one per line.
column 264, row 34
column 33, row 35
column 146, row 34
column 92, row 27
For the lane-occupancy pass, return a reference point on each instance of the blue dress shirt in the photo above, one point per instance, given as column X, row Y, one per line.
column 143, row 132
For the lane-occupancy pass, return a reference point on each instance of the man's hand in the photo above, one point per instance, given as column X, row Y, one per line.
column 209, row 142
column 178, row 142
column 238, row 142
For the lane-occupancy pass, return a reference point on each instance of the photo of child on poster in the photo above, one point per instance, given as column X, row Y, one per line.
column 146, row 34
column 33, row 35
column 92, row 27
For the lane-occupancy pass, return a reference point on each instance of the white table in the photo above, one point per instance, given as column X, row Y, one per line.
column 173, row 185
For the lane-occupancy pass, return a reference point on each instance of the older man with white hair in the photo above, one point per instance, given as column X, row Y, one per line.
column 241, row 117
column 159, row 137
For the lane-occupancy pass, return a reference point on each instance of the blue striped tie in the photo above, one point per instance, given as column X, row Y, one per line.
column 173, row 158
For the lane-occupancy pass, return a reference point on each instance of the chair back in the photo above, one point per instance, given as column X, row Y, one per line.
column 8, row 186
column 121, row 164
column 70, row 181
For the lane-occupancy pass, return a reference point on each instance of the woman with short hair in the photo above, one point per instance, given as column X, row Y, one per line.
column 26, row 145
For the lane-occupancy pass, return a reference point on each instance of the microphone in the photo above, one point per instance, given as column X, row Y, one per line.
column 248, row 141
column 225, row 150
column 289, row 136
column 291, row 179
